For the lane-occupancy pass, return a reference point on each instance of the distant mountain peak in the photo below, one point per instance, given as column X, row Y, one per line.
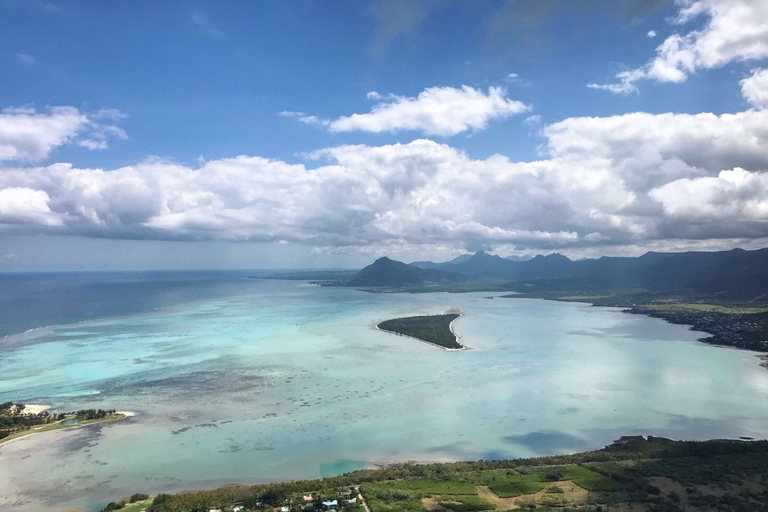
column 388, row 272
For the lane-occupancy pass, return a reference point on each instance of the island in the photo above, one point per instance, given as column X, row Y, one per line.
column 433, row 329
column 18, row 420
column 634, row 473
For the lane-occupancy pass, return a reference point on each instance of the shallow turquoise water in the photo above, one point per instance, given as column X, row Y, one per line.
column 292, row 381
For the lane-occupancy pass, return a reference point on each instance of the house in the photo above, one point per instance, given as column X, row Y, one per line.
column 285, row 509
column 308, row 497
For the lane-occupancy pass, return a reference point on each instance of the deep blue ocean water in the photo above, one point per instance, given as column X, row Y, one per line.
column 31, row 300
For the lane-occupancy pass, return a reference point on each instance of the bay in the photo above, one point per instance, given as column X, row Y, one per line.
column 273, row 380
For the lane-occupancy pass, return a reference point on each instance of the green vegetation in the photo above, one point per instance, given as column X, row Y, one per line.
column 652, row 474
column 389, row 498
column 432, row 329
column 466, row 504
column 387, row 272
column 14, row 423
column 429, row 486
column 135, row 503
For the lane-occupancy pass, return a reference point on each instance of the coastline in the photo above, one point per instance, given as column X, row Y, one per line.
column 712, row 338
column 118, row 416
column 35, row 408
column 455, row 311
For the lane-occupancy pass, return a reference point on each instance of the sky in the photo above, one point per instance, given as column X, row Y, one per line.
column 273, row 134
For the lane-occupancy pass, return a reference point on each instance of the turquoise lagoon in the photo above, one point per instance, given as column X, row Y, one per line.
column 289, row 380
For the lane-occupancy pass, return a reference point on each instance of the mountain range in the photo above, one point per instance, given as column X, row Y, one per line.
column 735, row 273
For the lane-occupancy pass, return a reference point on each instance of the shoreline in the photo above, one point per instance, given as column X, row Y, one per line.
column 35, row 408
column 58, row 425
column 710, row 339
column 456, row 311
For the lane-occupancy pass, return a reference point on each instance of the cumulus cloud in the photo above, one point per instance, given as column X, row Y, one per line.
column 755, row 88
column 734, row 30
column 25, row 206
column 734, row 202
column 442, row 111
column 26, row 134
column 736, row 194
column 621, row 180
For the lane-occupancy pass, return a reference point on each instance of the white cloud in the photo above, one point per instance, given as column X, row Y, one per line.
column 304, row 118
column 441, row 111
column 26, row 134
column 625, row 85
column 533, row 121
column 516, row 79
column 633, row 179
column 755, row 88
column 735, row 201
column 734, row 30
column 651, row 34
column 26, row 206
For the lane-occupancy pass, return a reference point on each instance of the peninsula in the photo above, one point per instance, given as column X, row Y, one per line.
column 433, row 329
column 18, row 420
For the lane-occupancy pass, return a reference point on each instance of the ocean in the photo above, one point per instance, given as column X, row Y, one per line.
column 253, row 380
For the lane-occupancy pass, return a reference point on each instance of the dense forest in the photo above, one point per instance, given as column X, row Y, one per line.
column 433, row 329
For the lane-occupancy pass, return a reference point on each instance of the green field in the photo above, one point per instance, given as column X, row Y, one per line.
column 467, row 504
column 439, row 487
column 138, row 506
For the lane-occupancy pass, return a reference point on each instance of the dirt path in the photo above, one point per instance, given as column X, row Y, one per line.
column 362, row 499
column 500, row 503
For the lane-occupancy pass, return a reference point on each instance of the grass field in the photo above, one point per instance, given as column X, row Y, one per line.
column 138, row 506
column 467, row 504
column 439, row 487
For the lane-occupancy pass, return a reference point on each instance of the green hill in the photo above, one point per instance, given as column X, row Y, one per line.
column 387, row 272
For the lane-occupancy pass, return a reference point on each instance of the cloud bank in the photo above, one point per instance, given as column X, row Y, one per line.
column 628, row 179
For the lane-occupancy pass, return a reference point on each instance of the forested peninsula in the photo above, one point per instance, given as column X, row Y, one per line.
column 434, row 329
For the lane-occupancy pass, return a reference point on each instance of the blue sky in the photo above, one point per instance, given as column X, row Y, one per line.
column 184, row 83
